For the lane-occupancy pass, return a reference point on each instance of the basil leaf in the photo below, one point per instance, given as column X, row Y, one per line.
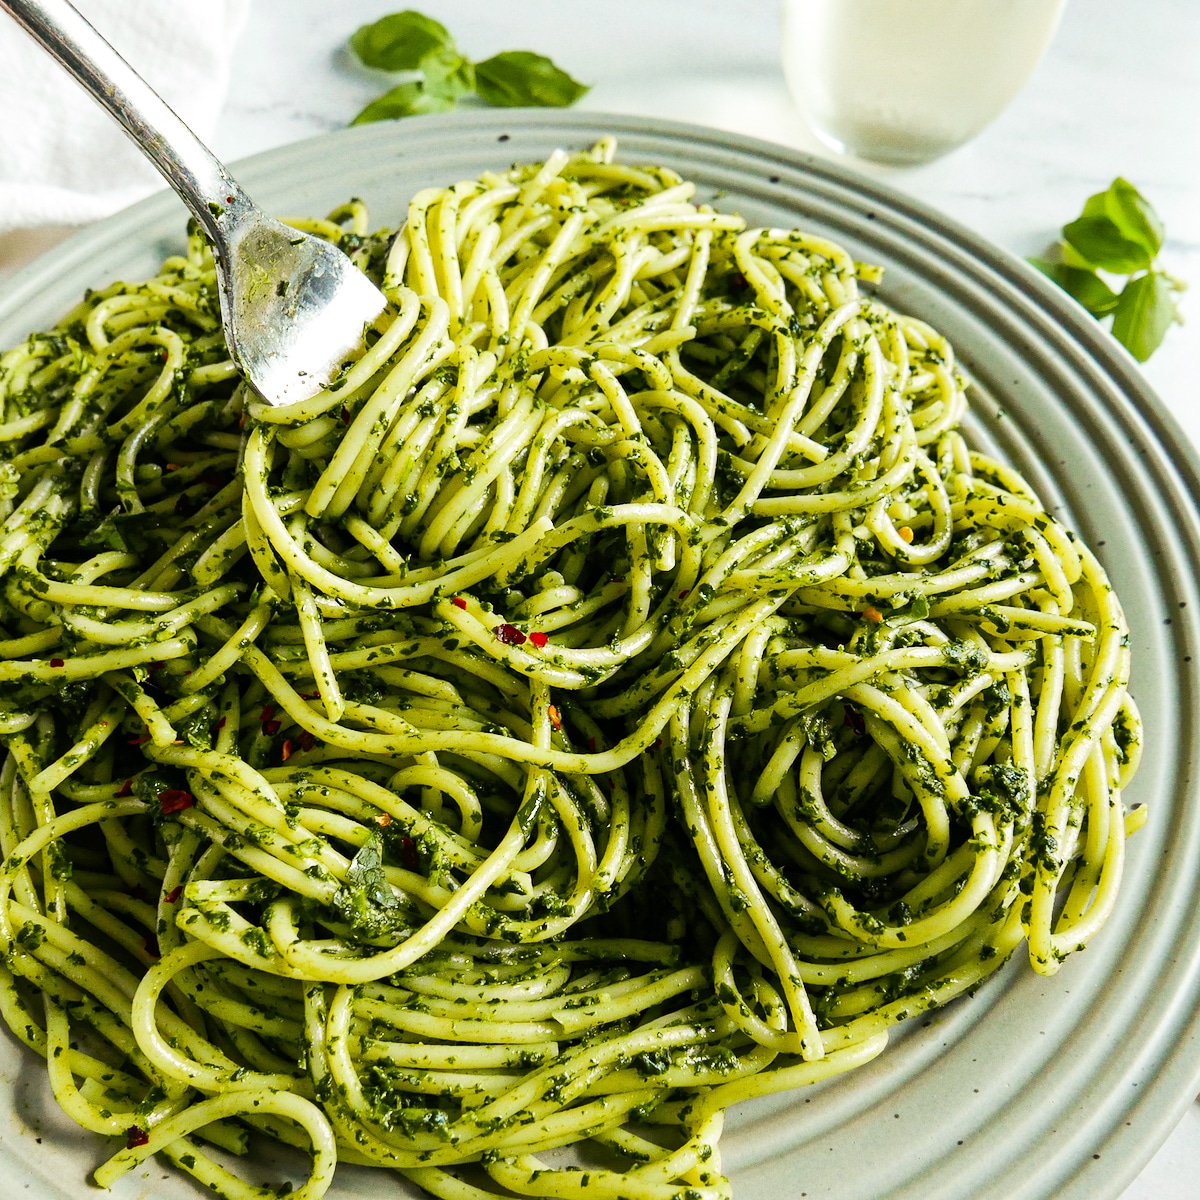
column 405, row 100
column 1118, row 232
column 1085, row 286
column 1101, row 242
column 1133, row 215
column 518, row 78
column 399, row 41
column 1072, row 258
column 447, row 73
column 1144, row 313
column 366, row 900
column 1097, row 205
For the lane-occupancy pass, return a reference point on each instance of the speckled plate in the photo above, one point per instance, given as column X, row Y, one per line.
column 1034, row 1087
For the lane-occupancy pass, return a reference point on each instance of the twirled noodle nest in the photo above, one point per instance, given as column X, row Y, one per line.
column 622, row 694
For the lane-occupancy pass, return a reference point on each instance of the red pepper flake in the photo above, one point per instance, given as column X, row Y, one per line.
column 872, row 614
column 384, row 819
column 307, row 741
column 173, row 895
column 126, row 789
column 267, row 713
column 459, row 602
column 286, row 752
column 157, row 666
column 618, row 579
column 58, row 662
column 172, row 466
column 345, row 415
column 592, row 743
column 539, row 639
column 138, row 741
column 136, row 1137
column 173, row 800
column 271, row 728
column 853, row 719
column 219, row 725
column 150, row 945
column 307, row 696
column 510, row 635
column 554, row 715
column 408, row 853
column 242, row 421
column 685, row 594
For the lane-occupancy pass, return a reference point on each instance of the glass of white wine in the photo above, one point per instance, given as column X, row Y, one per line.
column 906, row 81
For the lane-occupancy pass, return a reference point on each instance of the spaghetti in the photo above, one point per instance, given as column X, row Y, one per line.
column 622, row 693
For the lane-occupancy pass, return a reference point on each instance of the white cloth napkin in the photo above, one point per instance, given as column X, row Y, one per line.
column 63, row 159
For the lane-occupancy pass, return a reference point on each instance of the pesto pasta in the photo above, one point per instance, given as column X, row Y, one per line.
column 621, row 694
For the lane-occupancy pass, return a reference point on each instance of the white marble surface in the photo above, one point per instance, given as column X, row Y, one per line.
column 1118, row 93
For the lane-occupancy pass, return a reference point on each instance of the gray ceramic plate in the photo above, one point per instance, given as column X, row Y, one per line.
column 1033, row 1087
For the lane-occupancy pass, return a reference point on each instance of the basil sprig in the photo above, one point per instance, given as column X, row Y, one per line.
column 411, row 41
column 1120, row 234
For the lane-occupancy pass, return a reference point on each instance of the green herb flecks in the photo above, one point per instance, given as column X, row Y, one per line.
column 366, row 899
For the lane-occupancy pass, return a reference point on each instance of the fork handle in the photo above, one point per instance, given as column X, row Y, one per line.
column 184, row 161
